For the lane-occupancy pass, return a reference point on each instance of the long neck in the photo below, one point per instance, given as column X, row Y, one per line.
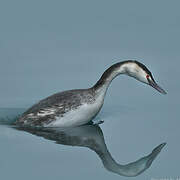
column 103, row 83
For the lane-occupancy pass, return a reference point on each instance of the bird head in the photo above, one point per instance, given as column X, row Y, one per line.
column 140, row 72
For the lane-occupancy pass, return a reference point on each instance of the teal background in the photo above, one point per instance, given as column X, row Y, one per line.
column 51, row 46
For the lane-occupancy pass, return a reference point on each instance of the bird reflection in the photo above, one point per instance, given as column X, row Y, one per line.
column 91, row 136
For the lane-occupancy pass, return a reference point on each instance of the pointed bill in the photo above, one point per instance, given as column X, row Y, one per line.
column 157, row 87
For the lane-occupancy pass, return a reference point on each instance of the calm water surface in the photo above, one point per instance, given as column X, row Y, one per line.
column 90, row 151
column 49, row 47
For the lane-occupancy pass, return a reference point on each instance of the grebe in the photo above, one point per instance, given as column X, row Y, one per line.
column 80, row 106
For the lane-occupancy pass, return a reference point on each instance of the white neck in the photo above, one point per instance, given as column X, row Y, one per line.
column 125, row 67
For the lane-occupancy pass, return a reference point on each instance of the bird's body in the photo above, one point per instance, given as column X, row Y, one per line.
column 64, row 109
column 78, row 107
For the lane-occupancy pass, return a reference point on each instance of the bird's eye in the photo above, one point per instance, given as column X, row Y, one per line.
column 147, row 76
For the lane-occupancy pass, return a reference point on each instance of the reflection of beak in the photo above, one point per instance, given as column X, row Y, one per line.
column 156, row 86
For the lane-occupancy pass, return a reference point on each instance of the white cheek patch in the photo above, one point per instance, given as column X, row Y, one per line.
column 135, row 71
column 142, row 76
column 131, row 69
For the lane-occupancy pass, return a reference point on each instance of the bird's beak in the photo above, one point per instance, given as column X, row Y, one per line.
column 156, row 86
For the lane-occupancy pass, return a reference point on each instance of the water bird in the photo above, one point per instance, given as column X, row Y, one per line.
column 91, row 136
column 78, row 107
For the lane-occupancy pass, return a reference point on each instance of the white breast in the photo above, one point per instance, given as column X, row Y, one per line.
column 79, row 116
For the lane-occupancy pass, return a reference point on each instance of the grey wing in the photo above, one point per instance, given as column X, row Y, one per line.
column 48, row 109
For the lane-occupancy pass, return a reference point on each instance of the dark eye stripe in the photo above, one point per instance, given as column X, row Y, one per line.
column 152, row 77
column 145, row 69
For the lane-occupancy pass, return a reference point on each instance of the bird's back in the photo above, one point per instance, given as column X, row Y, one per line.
column 46, row 110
